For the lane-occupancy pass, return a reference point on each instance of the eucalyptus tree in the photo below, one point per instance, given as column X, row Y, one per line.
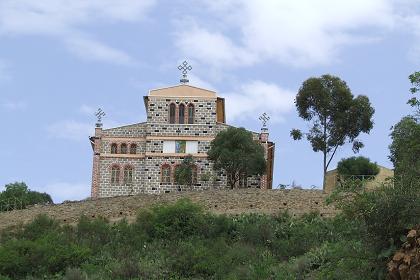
column 335, row 115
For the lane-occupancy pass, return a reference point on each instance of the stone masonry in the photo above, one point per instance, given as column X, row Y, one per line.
column 139, row 147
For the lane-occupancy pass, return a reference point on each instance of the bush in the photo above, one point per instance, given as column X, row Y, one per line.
column 357, row 166
column 18, row 196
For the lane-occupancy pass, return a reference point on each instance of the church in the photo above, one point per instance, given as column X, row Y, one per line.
column 181, row 120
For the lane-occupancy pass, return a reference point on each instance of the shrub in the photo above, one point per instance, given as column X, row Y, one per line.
column 357, row 166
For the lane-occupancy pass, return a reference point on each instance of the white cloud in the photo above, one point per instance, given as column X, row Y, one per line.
column 299, row 33
column 87, row 110
column 71, row 130
column 66, row 19
column 252, row 99
column 61, row 191
column 13, row 105
column 94, row 50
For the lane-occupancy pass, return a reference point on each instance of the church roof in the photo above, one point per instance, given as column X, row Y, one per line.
column 182, row 91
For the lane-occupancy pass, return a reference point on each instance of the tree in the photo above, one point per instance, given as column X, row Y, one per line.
column 405, row 147
column 235, row 152
column 337, row 118
column 357, row 166
column 25, row 196
column 184, row 172
column 415, row 82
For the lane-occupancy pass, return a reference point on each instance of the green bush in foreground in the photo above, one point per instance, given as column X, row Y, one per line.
column 181, row 241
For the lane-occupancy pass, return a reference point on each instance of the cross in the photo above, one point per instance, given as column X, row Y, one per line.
column 184, row 68
column 264, row 118
column 99, row 114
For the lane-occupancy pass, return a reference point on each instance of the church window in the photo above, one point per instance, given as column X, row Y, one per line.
column 123, row 148
column 133, row 149
column 115, row 175
column 128, row 175
column 180, row 146
column 181, row 113
column 166, row 174
column 114, row 148
column 172, row 110
column 190, row 113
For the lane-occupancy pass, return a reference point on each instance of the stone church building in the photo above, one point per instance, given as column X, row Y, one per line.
column 142, row 157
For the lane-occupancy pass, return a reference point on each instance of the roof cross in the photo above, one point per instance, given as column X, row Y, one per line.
column 184, row 68
column 264, row 118
column 99, row 114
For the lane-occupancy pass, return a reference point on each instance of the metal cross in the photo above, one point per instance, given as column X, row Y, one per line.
column 184, row 68
column 99, row 114
column 264, row 118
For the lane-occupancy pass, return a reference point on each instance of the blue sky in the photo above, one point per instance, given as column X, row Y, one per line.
column 61, row 60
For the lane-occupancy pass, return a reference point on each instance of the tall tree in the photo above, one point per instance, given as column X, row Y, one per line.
column 21, row 192
column 235, row 152
column 335, row 115
column 414, row 101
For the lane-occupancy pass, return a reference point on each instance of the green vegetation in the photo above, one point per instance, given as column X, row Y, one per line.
column 184, row 173
column 235, row 152
column 18, row 196
column 181, row 241
column 335, row 115
column 357, row 166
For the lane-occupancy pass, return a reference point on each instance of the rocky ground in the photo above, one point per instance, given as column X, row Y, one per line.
column 239, row 201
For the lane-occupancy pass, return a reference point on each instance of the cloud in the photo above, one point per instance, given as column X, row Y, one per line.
column 4, row 72
column 250, row 100
column 71, row 130
column 61, row 191
column 13, row 105
column 65, row 20
column 87, row 110
column 97, row 51
column 298, row 33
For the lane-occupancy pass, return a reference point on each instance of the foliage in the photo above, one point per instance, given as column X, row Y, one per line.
column 357, row 166
column 415, row 82
column 24, row 195
column 181, row 241
column 184, row 172
column 235, row 152
column 335, row 115
column 405, row 147
column 386, row 212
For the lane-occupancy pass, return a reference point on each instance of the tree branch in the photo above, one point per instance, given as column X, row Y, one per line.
column 335, row 149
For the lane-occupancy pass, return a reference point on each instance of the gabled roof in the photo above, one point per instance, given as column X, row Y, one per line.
column 182, row 91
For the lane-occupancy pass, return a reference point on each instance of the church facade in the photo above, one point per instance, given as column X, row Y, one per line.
column 142, row 157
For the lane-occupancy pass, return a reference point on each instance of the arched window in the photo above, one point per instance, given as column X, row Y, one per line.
column 166, row 174
column 128, row 175
column 172, row 109
column 123, row 148
column 133, row 149
column 181, row 114
column 194, row 174
column 114, row 148
column 190, row 113
column 115, row 175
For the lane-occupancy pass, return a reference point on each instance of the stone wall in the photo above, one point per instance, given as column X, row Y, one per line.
column 224, row 201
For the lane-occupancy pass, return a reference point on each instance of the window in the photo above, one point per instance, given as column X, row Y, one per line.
column 180, row 147
column 133, row 149
column 114, row 148
column 128, row 175
column 166, row 174
column 172, row 108
column 123, row 148
column 188, row 147
column 181, row 114
column 115, row 175
column 194, row 175
column 190, row 113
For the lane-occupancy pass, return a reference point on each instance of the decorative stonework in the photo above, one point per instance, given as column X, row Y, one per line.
column 149, row 138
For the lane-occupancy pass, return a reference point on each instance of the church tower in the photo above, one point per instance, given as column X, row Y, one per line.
column 142, row 158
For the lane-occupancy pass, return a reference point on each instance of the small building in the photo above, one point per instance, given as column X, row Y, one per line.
column 142, row 157
column 332, row 179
